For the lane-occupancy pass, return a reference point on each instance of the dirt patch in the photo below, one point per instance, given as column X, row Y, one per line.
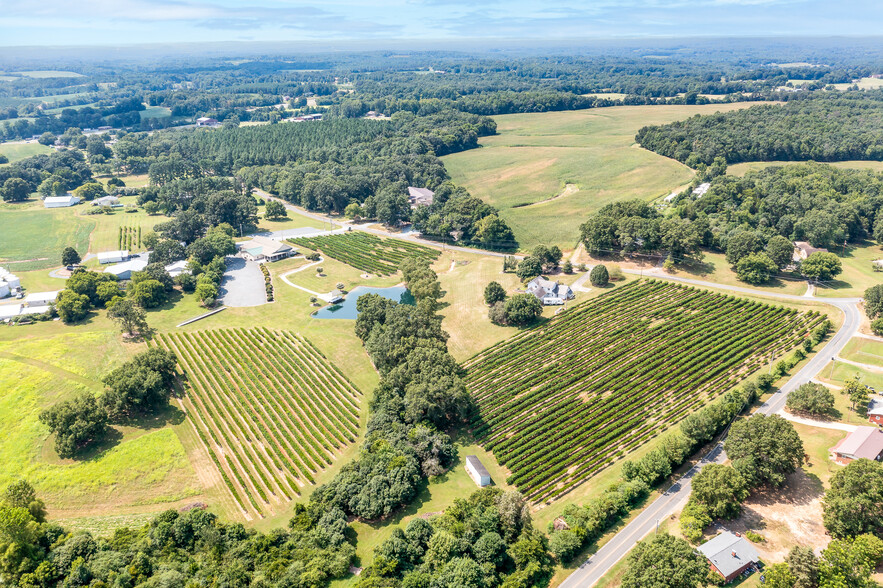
column 791, row 515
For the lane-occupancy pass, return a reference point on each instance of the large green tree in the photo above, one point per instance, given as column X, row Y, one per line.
column 15, row 190
column 755, row 268
column 664, row 561
column 721, row 489
column 76, row 423
column 854, row 503
column 764, row 449
column 811, row 398
column 821, row 266
column 522, row 309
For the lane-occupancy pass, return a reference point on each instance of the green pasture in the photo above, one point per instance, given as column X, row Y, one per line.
column 862, row 350
column 40, row 235
column 525, row 170
column 156, row 112
column 740, row 169
column 18, row 151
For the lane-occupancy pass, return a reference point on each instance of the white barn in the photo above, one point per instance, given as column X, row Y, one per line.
column 113, row 256
column 41, row 298
column 477, row 471
column 123, row 271
column 60, row 201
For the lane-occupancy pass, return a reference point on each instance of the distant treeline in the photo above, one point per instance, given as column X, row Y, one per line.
column 822, row 127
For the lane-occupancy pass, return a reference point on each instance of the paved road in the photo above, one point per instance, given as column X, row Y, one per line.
column 243, row 284
column 618, row 547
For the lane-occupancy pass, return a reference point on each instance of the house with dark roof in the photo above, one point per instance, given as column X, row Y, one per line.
column 729, row 555
column 863, row 443
column 477, row 471
column 420, row 196
column 549, row 292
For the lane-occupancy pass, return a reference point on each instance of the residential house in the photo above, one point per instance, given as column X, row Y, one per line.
column 204, row 121
column 113, row 256
column 875, row 410
column 729, row 555
column 265, row 249
column 477, row 471
column 420, row 196
column 863, row 443
column 802, row 250
column 123, row 271
column 60, row 201
column 549, row 292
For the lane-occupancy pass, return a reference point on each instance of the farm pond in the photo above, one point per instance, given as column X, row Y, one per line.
column 347, row 308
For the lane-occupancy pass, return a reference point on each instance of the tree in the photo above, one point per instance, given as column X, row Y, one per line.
column 874, row 299
column 151, row 208
column 143, row 384
column 76, row 423
column 353, row 211
column 856, row 391
column 693, row 521
column 494, row 233
column 598, row 234
column 741, row 244
column 15, row 190
column 20, row 494
column 567, row 267
column 680, row 236
column 664, row 561
column 148, row 293
column 599, row 276
column 854, row 502
column 494, row 292
column 755, row 268
column 72, row 307
column 780, row 250
column 167, row 251
column 721, row 489
column 764, row 449
column 90, row 191
column 206, row 293
column 275, row 210
column 821, row 266
column 529, row 268
column 522, row 309
column 131, row 317
column 811, row 398
column 47, row 139
column 70, row 256
column 497, row 313
column 850, row 562
column 804, row 566
column 778, row 576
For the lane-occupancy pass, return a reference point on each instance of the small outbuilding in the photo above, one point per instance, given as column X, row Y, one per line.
column 204, row 121
column 41, row 298
column 265, row 249
column 60, row 201
column 177, row 268
column 863, row 443
column 113, row 256
column 106, row 201
column 729, row 555
column 477, row 471
column 875, row 410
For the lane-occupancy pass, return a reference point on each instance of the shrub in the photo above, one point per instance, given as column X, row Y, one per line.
column 765, row 382
column 755, row 537
column 616, row 274
column 567, row 267
column 522, row 309
column 599, row 276
column 494, row 293
column 877, row 326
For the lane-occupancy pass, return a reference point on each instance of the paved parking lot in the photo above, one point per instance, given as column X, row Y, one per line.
column 243, row 284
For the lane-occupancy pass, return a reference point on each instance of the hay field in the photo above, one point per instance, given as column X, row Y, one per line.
column 530, row 162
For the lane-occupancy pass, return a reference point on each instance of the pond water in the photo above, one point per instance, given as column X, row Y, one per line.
column 347, row 308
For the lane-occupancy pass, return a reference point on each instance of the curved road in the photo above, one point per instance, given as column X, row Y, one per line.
column 614, row 550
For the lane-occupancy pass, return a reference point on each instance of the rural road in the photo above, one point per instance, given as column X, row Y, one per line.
column 618, row 547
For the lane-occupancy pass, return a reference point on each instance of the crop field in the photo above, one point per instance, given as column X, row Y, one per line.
column 129, row 237
column 270, row 409
column 367, row 252
column 18, row 151
column 559, row 402
column 547, row 171
column 39, row 235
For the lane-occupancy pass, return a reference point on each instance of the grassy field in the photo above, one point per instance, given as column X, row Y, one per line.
column 18, row 151
column 49, row 73
column 40, row 235
column 527, row 168
column 139, row 467
column 864, row 350
column 156, row 112
column 740, row 169
column 863, row 84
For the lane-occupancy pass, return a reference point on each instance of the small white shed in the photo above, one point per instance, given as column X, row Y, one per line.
column 113, row 256
column 477, row 471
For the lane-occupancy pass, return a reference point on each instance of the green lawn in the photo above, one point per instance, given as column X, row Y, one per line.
column 864, row 350
column 714, row 268
column 858, row 271
column 863, row 84
column 18, row 151
column 740, row 169
column 535, row 156
column 840, row 372
column 40, row 235
column 49, row 73
column 156, row 112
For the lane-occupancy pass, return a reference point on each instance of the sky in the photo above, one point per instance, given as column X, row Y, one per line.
column 121, row 22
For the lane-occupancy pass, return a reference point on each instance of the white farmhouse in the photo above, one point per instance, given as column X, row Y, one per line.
column 549, row 292
column 477, row 471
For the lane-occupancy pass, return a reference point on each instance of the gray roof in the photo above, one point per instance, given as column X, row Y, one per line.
column 477, row 466
column 875, row 406
column 729, row 553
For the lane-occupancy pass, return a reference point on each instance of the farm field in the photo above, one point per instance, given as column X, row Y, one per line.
column 740, row 169
column 270, row 409
column 18, row 151
column 525, row 169
column 49, row 73
column 599, row 371
column 140, row 468
column 156, row 112
column 365, row 251
column 40, row 235
column 863, row 84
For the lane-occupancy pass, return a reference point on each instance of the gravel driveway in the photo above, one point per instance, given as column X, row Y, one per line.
column 243, row 284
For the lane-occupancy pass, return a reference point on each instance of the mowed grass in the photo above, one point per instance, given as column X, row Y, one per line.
column 18, row 151
column 535, row 156
column 862, row 350
column 156, row 112
column 34, row 237
column 863, row 84
column 740, row 169
column 49, row 73
column 142, row 466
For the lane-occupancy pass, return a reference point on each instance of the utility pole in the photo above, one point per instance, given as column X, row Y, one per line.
column 831, row 374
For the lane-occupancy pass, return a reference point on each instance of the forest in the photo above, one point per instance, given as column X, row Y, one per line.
column 820, row 127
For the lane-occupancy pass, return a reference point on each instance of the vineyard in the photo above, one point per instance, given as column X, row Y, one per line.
column 366, row 252
column 270, row 409
column 129, row 238
column 558, row 402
